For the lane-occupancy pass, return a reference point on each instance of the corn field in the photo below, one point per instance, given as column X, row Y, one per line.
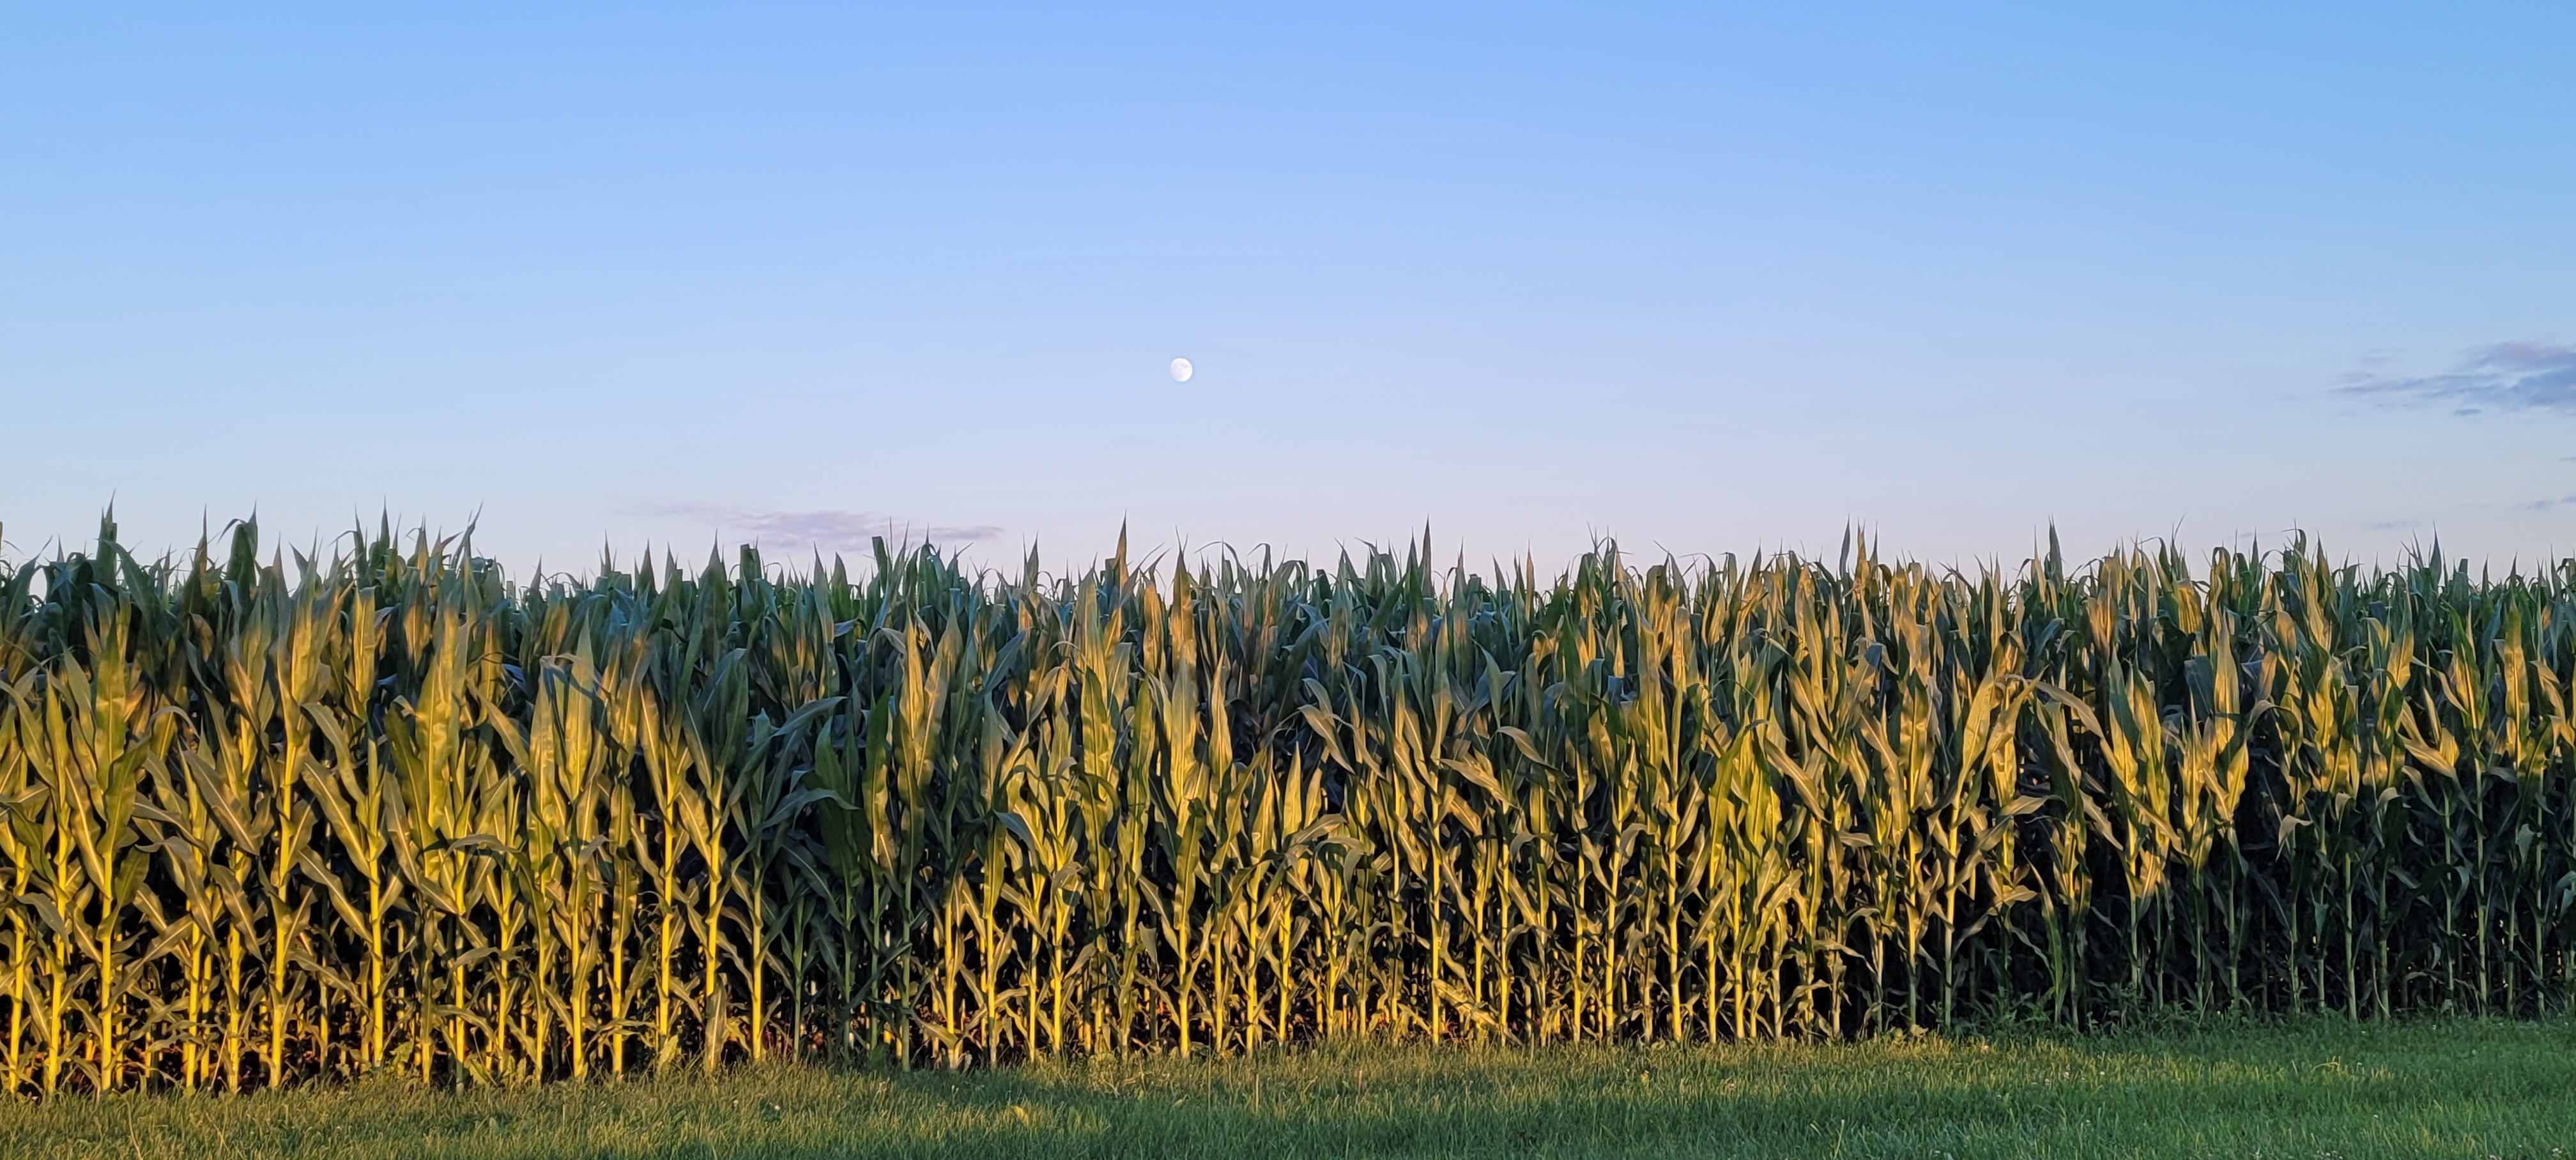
column 289, row 819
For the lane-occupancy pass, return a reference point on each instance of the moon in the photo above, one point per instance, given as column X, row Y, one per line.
column 1181, row 370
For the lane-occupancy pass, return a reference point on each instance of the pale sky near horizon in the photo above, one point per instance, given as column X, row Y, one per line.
column 1703, row 278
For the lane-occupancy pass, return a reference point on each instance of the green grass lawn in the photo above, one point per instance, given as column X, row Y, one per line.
column 2304, row 1089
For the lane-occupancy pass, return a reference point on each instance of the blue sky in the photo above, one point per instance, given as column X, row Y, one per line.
column 1703, row 278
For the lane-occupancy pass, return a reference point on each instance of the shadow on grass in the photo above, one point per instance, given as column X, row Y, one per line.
column 2284, row 1090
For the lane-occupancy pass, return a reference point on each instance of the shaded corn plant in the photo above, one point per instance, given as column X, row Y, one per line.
column 276, row 817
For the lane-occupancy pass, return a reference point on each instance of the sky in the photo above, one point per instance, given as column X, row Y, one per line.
column 1699, row 278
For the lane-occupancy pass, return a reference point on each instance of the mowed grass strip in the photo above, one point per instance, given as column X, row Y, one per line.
column 2306, row 1088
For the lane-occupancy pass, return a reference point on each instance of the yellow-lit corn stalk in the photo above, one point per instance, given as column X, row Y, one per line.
column 288, row 819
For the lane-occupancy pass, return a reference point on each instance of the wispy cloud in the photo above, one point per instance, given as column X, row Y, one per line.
column 827, row 531
column 2543, row 505
column 2508, row 376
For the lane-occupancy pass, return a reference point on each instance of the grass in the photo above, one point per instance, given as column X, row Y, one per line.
column 2305, row 1088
